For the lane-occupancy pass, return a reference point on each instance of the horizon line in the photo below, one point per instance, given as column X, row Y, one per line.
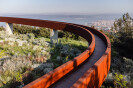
column 63, row 13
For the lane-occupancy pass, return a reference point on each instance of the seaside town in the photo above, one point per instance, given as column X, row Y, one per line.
column 102, row 25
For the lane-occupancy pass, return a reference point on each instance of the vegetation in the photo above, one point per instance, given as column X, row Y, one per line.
column 122, row 58
column 124, row 36
column 43, row 32
column 26, row 57
column 119, row 81
column 121, row 71
column 66, row 50
column 37, row 31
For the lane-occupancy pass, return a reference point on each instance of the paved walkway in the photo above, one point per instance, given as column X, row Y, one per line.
column 68, row 80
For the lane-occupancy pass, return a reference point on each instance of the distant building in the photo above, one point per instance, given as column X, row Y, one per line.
column 102, row 24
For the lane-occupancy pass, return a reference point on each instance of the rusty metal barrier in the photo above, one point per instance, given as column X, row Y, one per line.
column 96, row 75
column 53, row 76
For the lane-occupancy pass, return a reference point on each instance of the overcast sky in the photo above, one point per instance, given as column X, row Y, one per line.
column 66, row 6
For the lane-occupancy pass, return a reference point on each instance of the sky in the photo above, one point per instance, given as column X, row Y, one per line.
column 66, row 6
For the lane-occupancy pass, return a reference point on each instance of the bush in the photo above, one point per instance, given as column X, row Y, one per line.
column 124, row 36
column 69, row 35
column 43, row 32
column 37, row 31
column 119, row 81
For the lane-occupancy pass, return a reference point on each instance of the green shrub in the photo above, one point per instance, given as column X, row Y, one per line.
column 37, row 31
column 19, row 77
column 69, row 35
column 43, row 32
column 123, row 41
column 119, row 81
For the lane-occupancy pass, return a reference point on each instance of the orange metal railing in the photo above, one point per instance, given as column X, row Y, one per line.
column 99, row 70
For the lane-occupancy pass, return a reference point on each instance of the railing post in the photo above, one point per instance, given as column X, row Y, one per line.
column 9, row 28
column 53, row 36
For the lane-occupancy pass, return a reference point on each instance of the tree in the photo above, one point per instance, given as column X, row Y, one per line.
column 123, row 41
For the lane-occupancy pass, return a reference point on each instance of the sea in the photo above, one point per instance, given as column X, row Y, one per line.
column 77, row 19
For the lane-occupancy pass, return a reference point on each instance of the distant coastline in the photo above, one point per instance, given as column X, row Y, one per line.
column 78, row 19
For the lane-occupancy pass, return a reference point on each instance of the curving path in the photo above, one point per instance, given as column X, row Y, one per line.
column 71, row 78
column 88, row 70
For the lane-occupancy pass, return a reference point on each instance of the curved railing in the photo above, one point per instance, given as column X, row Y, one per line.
column 98, row 71
column 95, row 76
